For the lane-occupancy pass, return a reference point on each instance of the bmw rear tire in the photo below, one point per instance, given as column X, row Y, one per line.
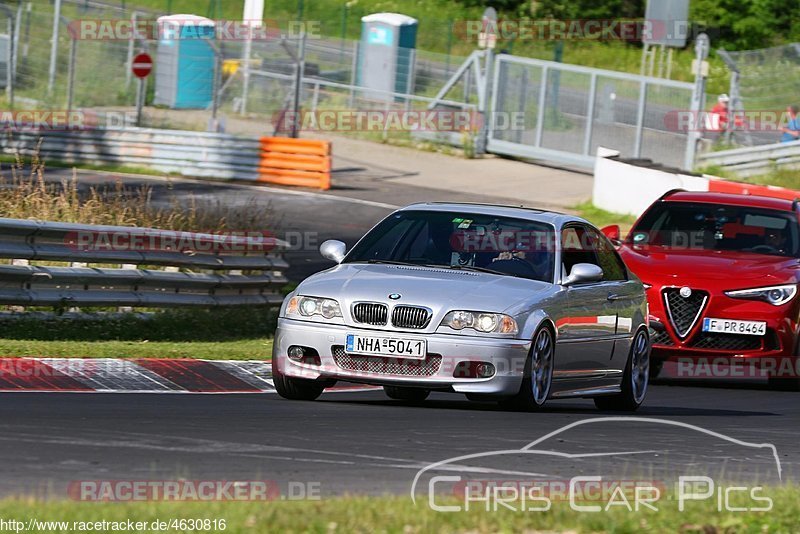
column 635, row 379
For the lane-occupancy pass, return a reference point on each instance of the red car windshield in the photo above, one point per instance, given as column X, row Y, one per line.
column 701, row 226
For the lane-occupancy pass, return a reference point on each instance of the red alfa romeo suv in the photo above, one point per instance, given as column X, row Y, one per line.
column 721, row 272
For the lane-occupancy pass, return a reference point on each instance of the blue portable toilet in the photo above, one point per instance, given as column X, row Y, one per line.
column 386, row 53
column 185, row 62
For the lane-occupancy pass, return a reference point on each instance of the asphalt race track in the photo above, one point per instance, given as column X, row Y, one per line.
column 364, row 443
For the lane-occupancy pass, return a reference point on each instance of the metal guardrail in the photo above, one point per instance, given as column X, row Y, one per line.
column 195, row 154
column 136, row 283
column 754, row 160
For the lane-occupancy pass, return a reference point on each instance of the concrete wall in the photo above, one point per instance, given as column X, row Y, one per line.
column 623, row 187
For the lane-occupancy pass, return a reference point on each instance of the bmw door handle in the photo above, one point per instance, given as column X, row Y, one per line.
column 612, row 297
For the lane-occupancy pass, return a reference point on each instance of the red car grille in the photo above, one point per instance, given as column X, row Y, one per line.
column 684, row 312
column 661, row 338
column 732, row 342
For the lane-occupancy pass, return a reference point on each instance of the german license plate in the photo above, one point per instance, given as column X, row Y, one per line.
column 730, row 326
column 386, row 346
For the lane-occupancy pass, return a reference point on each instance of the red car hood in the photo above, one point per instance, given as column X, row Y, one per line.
column 658, row 265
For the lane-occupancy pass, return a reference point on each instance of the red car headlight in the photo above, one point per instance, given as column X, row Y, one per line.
column 775, row 295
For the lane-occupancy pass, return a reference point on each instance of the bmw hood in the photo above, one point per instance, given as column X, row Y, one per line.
column 440, row 290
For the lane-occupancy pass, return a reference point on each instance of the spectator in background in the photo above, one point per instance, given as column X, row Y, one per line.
column 719, row 114
column 717, row 118
column 791, row 132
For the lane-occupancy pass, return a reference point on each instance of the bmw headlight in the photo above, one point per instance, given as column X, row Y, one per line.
column 311, row 306
column 775, row 295
column 485, row 322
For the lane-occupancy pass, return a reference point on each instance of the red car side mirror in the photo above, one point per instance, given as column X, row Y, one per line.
column 612, row 232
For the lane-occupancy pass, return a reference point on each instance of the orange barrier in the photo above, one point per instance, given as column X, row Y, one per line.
column 298, row 162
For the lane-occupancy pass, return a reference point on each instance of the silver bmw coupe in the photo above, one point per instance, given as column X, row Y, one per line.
column 499, row 303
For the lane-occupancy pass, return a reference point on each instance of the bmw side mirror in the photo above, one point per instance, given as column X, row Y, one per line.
column 333, row 250
column 583, row 273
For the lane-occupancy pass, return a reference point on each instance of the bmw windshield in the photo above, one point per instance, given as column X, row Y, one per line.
column 465, row 241
column 701, row 226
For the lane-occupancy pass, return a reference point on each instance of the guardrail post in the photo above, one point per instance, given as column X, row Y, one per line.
column 131, row 45
column 54, row 47
column 299, row 73
column 542, row 107
column 702, row 47
column 315, row 99
column 487, row 111
column 73, row 46
column 248, row 47
column 640, row 110
column 587, row 138
column 353, row 77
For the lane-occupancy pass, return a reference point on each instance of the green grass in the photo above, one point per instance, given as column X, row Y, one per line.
column 600, row 217
column 400, row 515
column 789, row 178
column 780, row 177
column 249, row 349
column 228, row 334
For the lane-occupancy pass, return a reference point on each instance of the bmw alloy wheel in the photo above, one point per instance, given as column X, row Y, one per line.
column 542, row 366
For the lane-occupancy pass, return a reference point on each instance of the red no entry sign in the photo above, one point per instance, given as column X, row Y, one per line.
column 142, row 65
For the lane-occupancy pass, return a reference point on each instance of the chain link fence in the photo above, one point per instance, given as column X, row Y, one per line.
column 568, row 111
column 762, row 82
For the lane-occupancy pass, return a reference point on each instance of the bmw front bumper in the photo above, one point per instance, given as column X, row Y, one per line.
column 445, row 353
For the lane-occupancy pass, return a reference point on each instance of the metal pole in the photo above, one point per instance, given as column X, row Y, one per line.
column 702, row 47
column 73, row 45
column 523, row 99
column 411, row 77
column 315, row 99
column 637, row 142
column 10, row 60
column 300, row 66
column 129, row 62
column 353, row 76
column 449, row 44
column 345, row 10
column 587, row 139
column 248, row 47
column 542, row 106
column 27, row 32
column 216, row 87
column 14, row 54
column 54, row 47
column 486, row 111
column 140, row 89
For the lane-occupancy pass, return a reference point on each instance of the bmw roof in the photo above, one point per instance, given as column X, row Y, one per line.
column 498, row 210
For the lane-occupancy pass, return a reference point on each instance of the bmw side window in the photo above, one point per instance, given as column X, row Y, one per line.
column 576, row 248
column 608, row 259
